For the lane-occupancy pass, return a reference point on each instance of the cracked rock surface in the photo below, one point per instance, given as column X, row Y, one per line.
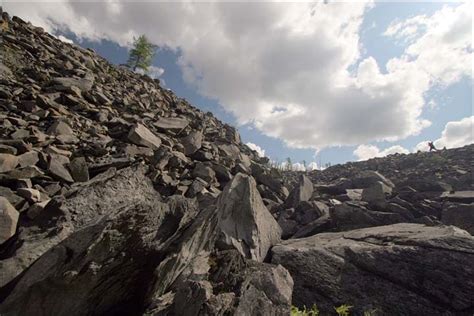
column 401, row 269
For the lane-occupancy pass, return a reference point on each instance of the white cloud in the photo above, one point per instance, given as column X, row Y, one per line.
column 440, row 45
column 153, row 71
column 284, row 67
column 455, row 134
column 65, row 39
column 312, row 166
column 298, row 166
column 364, row 152
column 258, row 149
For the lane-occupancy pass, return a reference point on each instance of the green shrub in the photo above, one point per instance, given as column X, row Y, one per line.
column 314, row 311
column 343, row 310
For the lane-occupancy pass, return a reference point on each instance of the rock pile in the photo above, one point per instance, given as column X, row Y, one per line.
column 358, row 195
column 109, row 187
column 118, row 197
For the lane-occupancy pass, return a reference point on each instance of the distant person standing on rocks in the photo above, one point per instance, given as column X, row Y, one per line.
column 432, row 146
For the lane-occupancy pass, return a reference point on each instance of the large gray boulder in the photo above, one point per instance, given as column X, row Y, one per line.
column 142, row 136
column 192, row 142
column 352, row 215
column 377, row 194
column 119, row 246
column 367, row 178
column 402, row 269
column 266, row 291
column 301, row 192
column 460, row 215
column 257, row 289
column 245, row 222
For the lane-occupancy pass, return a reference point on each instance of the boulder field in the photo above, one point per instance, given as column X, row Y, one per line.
column 118, row 197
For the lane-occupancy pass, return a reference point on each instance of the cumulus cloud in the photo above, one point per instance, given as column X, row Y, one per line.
column 364, row 152
column 293, row 70
column 153, row 71
column 299, row 166
column 455, row 134
column 65, row 39
column 258, row 149
column 440, row 45
column 312, row 166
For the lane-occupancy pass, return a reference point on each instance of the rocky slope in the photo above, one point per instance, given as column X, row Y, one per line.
column 119, row 198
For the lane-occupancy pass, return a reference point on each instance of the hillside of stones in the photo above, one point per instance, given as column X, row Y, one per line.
column 429, row 188
column 117, row 197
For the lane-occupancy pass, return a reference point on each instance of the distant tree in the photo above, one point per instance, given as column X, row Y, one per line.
column 289, row 165
column 141, row 55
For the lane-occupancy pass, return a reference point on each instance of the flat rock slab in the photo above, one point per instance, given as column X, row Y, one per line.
column 459, row 196
column 402, row 269
column 84, row 84
column 142, row 136
column 174, row 124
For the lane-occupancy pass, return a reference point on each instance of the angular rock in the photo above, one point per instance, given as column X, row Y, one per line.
column 13, row 198
column 204, row 172
column 377, row 194
column 260, row 288
column 116, row 218
column 192, row 142
column 368, row 178
column 381, row 268
column 222, row 173
column 60, row 128
column 28, row 172
column 8, row 220
column 267, row 291
column 347, row 216
column 36, row 209
column 29, row 158
column 174, row 124
column 8, row 162
column 32, row 195
column 320, row 225
column 58, row 171
column 142, row 136
column 459, row 196
column 64, row 83
column 302, row 192
column 460, row 215
column 79, row 169
column 244, row 220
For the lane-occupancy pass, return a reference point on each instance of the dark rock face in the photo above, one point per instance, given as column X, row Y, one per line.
column 403, row 269
column 302, row 192
column 244, row 220
column 460, row 215
column 116, row 254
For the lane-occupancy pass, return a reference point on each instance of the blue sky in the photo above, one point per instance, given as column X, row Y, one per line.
column 453, row 99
